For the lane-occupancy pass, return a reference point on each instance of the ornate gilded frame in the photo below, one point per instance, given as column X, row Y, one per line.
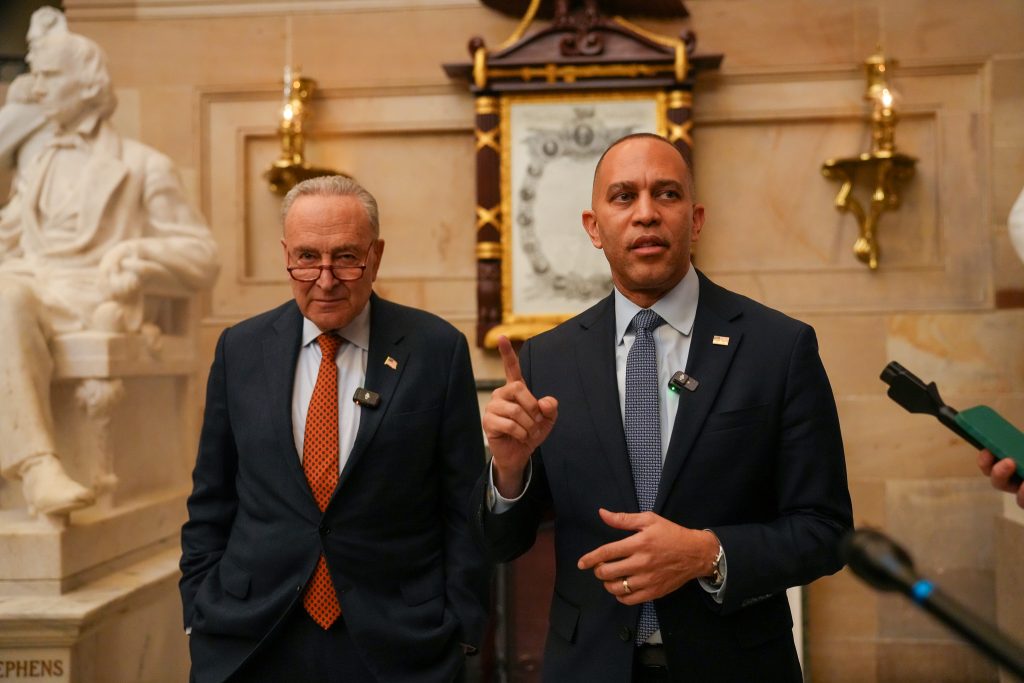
column 523, row 231
column 583, row 57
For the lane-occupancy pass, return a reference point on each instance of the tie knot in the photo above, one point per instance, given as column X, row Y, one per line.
column 646, row 319
column 329, row 344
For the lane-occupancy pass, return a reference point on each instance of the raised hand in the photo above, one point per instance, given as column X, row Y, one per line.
column 515, row 424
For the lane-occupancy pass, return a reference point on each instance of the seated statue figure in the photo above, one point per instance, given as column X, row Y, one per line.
column 93, row 222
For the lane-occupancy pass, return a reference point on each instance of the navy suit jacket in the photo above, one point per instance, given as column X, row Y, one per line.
column 755, row 455
column 396, row 534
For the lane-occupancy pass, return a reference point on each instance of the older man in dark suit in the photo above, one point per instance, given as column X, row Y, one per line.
column 328, row 538
column 686, row 440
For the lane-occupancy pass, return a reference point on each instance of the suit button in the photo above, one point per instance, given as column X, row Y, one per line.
column 324, row 529
column 625, row 634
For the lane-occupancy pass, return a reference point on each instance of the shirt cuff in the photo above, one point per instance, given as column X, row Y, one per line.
column 497, row 503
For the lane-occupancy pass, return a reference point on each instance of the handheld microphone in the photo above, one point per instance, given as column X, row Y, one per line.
column 980, row 426
column 883, row 564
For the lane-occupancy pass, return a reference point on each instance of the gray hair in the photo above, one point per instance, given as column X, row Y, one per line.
column 334, row 186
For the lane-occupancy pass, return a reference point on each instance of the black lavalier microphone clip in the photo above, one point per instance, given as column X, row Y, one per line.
column 366, row 398
column 681, row 380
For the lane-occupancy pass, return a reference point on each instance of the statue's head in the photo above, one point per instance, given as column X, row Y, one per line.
column 70, row 78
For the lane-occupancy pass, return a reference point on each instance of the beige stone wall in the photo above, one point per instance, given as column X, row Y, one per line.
column 200, row 80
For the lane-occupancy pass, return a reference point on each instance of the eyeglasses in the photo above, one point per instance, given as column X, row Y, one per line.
column 341, row 273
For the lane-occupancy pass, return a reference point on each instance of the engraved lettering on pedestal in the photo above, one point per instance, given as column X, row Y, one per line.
column 33, row 665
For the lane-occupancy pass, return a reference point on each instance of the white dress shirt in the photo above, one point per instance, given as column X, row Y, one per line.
column 678, row 308
column 351, row 362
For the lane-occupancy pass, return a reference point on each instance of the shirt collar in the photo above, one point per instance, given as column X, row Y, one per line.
column 356, row 332
column 678, row 308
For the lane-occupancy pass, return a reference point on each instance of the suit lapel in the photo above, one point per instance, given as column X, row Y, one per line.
column 386, row 335
column 280, row 356
column 708, row 363
column 595, row 358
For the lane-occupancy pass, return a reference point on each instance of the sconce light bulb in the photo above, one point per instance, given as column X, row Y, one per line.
column 286, row 113
column 887, row 98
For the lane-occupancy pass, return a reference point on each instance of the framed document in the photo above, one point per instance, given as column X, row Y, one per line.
column 548, row 103
column 550, row 147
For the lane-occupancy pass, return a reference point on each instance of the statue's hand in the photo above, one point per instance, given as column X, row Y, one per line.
column 121, row 272
column 20, row 90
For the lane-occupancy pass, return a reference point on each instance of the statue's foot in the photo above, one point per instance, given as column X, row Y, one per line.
column 48, row 489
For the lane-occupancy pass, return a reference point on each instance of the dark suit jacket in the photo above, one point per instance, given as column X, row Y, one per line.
column 411, row 582
column 755, row 455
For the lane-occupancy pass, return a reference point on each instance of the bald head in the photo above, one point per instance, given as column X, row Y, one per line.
column 690, row 186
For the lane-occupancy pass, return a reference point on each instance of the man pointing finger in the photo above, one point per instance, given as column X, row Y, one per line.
column 682, row 510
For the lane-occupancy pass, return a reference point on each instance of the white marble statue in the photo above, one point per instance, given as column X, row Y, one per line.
column 1015, row 224
column 93, row 222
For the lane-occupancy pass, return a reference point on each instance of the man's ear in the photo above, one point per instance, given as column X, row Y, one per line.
column 698, row 222
column 590, row 225
column 380, row 255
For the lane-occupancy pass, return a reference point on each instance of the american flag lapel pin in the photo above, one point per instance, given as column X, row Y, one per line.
column 391, row 363
column 719, row 340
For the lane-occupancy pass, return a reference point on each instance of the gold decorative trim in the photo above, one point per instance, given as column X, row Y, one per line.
column 677, row 132
column 658, row 38
column 486, row 251
column 679, row 99
column 486, row 105
column 681, row 64
column 485, row 217
column 524, row 24
column 486, row 138
column 570, row 73
column 480, row 67
column 518, row 331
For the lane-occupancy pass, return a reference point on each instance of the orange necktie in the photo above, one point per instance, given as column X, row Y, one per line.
column 320, row 463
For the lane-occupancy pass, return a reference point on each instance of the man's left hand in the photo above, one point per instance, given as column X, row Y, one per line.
column 656, row 560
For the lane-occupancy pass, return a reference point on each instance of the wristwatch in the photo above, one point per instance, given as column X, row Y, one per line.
column 716, row 567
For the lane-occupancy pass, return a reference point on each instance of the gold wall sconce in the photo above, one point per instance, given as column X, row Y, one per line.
column 885, row 167
column 291, row 168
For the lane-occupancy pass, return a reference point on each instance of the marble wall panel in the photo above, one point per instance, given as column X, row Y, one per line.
column 210, row 50
column 853, row 351
column 921, row 661
column 772, row 230
column 842, row 660
column 1009, row 569
column 841, row 605
column 942, row 524
column 829, row 32
column 962, row 353
column 951, row 30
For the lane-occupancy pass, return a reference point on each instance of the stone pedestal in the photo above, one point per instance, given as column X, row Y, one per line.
column 123, row 627
column 93, row 597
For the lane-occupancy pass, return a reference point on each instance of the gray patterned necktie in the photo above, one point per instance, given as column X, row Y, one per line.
column 643, row 432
